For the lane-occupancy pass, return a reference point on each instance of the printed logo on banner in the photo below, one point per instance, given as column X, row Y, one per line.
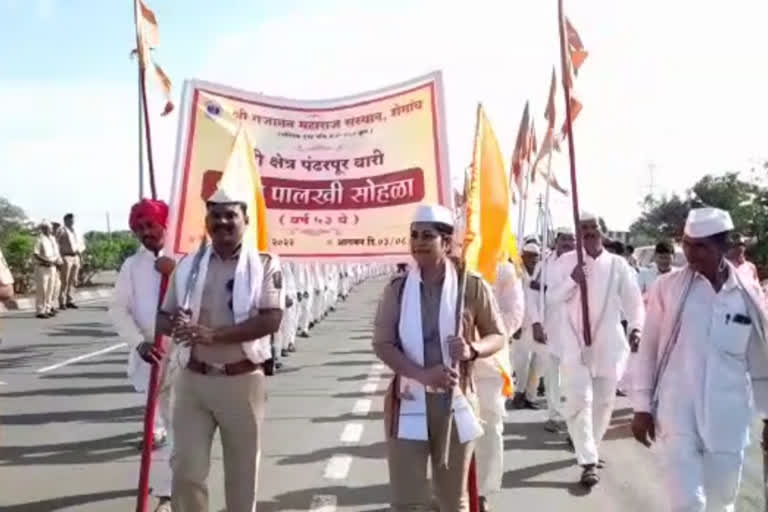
column 212, row 109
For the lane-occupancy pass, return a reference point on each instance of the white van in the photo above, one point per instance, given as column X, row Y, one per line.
column 644, row 256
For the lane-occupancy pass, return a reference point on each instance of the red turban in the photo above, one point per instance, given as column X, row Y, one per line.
column 149, row 208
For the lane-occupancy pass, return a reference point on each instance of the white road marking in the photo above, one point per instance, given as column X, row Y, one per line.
column 352, row 433
column 82, row 358
column 378, row 367
column 362, row 407
column 338, row 467
column 323, row 503
column 370, row 387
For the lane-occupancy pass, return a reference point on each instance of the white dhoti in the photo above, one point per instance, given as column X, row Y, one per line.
column 489, row 448
column 318, row 306
column 305, row 313
column 286, row 335
column 529, row 359
column 588, row 410
column 691, row 474
column 552, row 382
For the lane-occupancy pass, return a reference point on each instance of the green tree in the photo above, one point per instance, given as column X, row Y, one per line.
column 17, row 246
column 745, row 197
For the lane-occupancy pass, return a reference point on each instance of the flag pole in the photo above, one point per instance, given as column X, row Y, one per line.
column 150, row 160
column 545, row 242
column 141, row 139
column 574, row 183
column 142, row 495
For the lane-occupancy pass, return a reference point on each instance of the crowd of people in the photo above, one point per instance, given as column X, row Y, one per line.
column 689, row 345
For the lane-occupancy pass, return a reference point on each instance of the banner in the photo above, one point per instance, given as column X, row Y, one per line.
column 341, row 177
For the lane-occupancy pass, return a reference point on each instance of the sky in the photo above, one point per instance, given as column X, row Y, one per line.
column 674, row 86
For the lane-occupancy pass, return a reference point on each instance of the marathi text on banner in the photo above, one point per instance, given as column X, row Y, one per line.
column 341, row 178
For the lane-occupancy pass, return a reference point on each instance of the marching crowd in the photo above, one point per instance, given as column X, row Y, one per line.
column 689, row 345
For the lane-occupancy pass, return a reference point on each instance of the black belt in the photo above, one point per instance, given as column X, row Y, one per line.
column 229, row 369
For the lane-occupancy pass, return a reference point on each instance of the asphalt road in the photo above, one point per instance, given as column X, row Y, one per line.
column 68, row 433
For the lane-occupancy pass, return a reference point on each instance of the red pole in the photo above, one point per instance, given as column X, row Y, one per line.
column 574, row 183
column 149, row 417
column 474, row 496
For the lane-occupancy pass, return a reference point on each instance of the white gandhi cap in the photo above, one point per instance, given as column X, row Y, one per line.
column 563, row 230
column 228, row 195
column 587, row 215
column 531, row 248
column 705, row 222
column 433, row 213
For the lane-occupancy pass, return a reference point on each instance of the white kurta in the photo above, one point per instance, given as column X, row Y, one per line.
column 591, row 373
column 613, row 294
column 716, row 376
column 133, row 312
column 529, row 355
column 134, row 309
column 554, row 323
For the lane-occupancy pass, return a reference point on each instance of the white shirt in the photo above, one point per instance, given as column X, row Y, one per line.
column 133, row 309
column 508, row 290
column 647, row 276
column 6, row 278
column 612, row 295
column 706, row 390
column 555, row 318
column 46, row 248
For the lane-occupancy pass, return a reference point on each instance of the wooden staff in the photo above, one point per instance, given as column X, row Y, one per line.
column 564, row 61
column 149, row 414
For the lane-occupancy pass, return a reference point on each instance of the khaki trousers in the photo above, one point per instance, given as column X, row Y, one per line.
column 56, row 286
column 44, row 288
column 408, row 462
column 69, row 272
column 234, row 405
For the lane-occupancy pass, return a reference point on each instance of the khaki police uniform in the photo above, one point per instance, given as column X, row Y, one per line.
column 70, row 250
column 408, row 459
column 234, row 404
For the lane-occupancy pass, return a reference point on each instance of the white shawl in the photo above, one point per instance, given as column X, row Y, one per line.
column 249, row 274
column 413, row 401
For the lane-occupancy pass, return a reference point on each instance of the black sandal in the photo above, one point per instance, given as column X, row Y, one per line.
column 589, row 477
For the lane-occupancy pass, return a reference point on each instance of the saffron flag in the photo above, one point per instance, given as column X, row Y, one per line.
column 576, row 56
column 517, row 176
column 488, row 235
column 242, row 173
column 147, row 38
column 551, row 141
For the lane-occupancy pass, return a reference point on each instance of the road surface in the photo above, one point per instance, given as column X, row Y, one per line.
column 70, row 421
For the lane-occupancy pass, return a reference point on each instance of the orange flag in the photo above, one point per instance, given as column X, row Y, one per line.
column 576, row 57
column 242, row 173
column 488, row 203
column 551, row 141
column 147, row 38
column 518, row 154
column 488, row 235
column 575, row 46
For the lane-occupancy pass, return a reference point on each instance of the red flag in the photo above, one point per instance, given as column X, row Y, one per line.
column 518, row 155
column 575, row 46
